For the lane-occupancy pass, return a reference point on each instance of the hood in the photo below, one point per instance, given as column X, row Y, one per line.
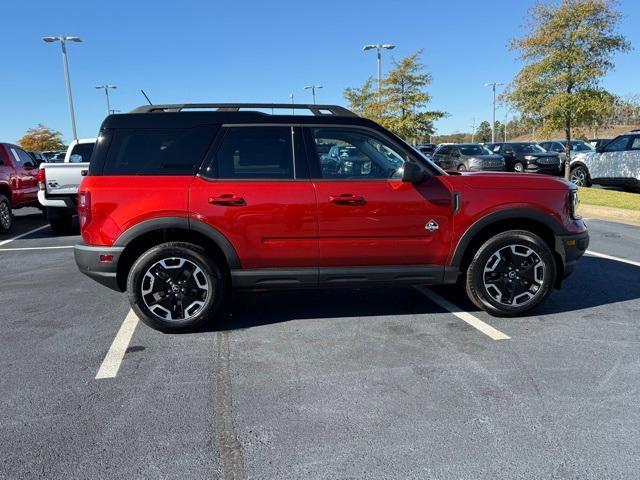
column 502, row 180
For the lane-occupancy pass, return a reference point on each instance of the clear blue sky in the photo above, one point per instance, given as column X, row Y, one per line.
column 197, row 51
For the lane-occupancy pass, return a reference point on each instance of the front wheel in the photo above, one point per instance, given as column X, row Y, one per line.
column 462, row 167
column 518, row 167
column 6, row 215
column 511, row 273
column 580, row 176
column 175, row 287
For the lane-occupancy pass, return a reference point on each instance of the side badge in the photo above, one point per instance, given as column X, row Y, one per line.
column 431, row 225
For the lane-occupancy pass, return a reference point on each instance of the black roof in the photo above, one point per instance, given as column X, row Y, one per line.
column 189, row 115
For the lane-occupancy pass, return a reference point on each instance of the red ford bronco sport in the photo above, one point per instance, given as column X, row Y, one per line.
column 183, row 203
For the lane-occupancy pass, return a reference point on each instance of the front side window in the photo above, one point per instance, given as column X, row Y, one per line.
column 635, row 143
column 256, row 153
column 617, row 145
column 471, row 150
column 528, row 148
column 360, row 155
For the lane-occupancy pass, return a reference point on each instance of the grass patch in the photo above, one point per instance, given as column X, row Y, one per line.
column 609, row 198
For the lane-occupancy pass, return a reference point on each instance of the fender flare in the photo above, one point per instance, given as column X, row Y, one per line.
column 510, row 213
column 182, row 223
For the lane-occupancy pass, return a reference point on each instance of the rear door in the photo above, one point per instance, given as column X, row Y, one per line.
column 367, row 216
column 256, row 192
column 610, row 163
column 26, row 186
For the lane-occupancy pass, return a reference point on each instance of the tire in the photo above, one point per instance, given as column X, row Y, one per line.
column 462, row 168
column 61, row 223
column 6, row 215
column 518, row 167
column 580, row 176
column 167, row 265
column 511, row 273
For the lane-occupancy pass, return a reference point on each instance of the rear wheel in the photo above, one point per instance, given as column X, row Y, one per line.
column 175, row 287
column 518, row 167
column 580, row 176
column 60, row 220
column 6, row 215
column 511, row 273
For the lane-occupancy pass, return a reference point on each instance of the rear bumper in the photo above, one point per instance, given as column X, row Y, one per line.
column 571, row 248
column 93, row 262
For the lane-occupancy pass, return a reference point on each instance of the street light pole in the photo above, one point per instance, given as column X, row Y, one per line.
column 379, row 47
column 63, row 43
column 313, row 91
column 293, row 110
column 106, row 91
column 493, row 85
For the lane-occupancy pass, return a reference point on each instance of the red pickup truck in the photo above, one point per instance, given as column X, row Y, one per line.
column 18, row 182
column 182, row 206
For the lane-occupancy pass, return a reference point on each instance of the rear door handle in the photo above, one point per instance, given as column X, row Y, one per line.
column 228, row 200
column 347, row 199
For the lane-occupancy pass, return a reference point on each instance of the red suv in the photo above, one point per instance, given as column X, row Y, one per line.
column 182, row 206
column 18, row 182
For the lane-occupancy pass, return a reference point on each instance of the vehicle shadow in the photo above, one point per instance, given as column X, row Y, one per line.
column 266, row 308
column 27, row 219
column 596, row 282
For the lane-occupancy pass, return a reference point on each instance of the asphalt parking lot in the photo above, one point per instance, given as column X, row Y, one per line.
column 379, row 383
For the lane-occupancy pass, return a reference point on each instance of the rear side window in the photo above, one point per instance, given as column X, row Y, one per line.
column 255, row 153
column 157, row 152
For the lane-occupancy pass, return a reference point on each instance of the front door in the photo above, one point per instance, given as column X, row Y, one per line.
column 26, row 177
column 367, row 216
column 257, row 193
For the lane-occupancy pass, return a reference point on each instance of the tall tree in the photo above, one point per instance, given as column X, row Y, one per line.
column 483, row 133
column 41, row 138
column 568, row 50
column 401, row 104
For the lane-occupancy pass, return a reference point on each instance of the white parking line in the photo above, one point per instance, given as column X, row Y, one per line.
column 33, row 248
column 611, row 257
column 4, row 242
column 475, row 322
column 113, row 359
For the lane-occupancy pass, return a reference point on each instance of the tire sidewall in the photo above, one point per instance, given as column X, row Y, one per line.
column 192, row 253
column 521, row 167
column 586, row 174
column 475, row 282
column 4, row 200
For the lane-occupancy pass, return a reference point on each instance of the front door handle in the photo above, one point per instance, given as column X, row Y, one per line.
column 228, row 200
column 347, row 199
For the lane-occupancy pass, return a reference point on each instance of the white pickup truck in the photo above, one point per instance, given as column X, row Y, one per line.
column 58, row 184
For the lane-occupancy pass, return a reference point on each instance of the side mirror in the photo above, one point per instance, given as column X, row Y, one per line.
column 412, row 173
column 600, row 149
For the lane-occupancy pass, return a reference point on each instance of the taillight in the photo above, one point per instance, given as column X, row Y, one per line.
column 84, row 208
column 42, row 178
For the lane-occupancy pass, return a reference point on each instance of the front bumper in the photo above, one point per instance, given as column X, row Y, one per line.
column 570, row 248
column 99, row 263
column 544, row 169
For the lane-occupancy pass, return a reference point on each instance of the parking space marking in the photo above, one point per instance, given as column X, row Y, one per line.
column 472, row 320
column 20, row 249
column 9, row 240
column 611, row 257
column 113, row 359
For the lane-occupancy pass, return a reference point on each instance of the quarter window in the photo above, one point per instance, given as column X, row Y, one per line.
column 618, row 145
column 255, row 153
column 157, row 152
column 635, row 144
column 356, row 154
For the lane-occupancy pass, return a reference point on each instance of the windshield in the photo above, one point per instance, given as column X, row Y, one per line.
column 580, row 146
column 528, row 148
column 475, row 150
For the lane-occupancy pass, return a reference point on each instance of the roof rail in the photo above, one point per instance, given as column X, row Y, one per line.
column 317, row 110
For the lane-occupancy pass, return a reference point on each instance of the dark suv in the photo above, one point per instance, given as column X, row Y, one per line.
column 528, row 157
column 180, row 207
column 468, row 157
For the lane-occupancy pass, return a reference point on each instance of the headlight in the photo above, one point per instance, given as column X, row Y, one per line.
column 529, row 157
column 574, row 202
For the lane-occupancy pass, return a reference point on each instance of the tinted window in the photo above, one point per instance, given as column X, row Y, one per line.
column 442, row 150
column 366, row 156
column 580, row 146
column 157, row 152
column 81, row 152
column 474, row 150
column 255, row 153
column 617, row 145
column 527, row 148
column 635, row 143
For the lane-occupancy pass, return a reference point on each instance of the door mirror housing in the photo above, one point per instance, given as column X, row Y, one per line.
column 413, row 173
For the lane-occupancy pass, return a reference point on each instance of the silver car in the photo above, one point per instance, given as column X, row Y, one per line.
column 615, row 164
column 468, row 157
